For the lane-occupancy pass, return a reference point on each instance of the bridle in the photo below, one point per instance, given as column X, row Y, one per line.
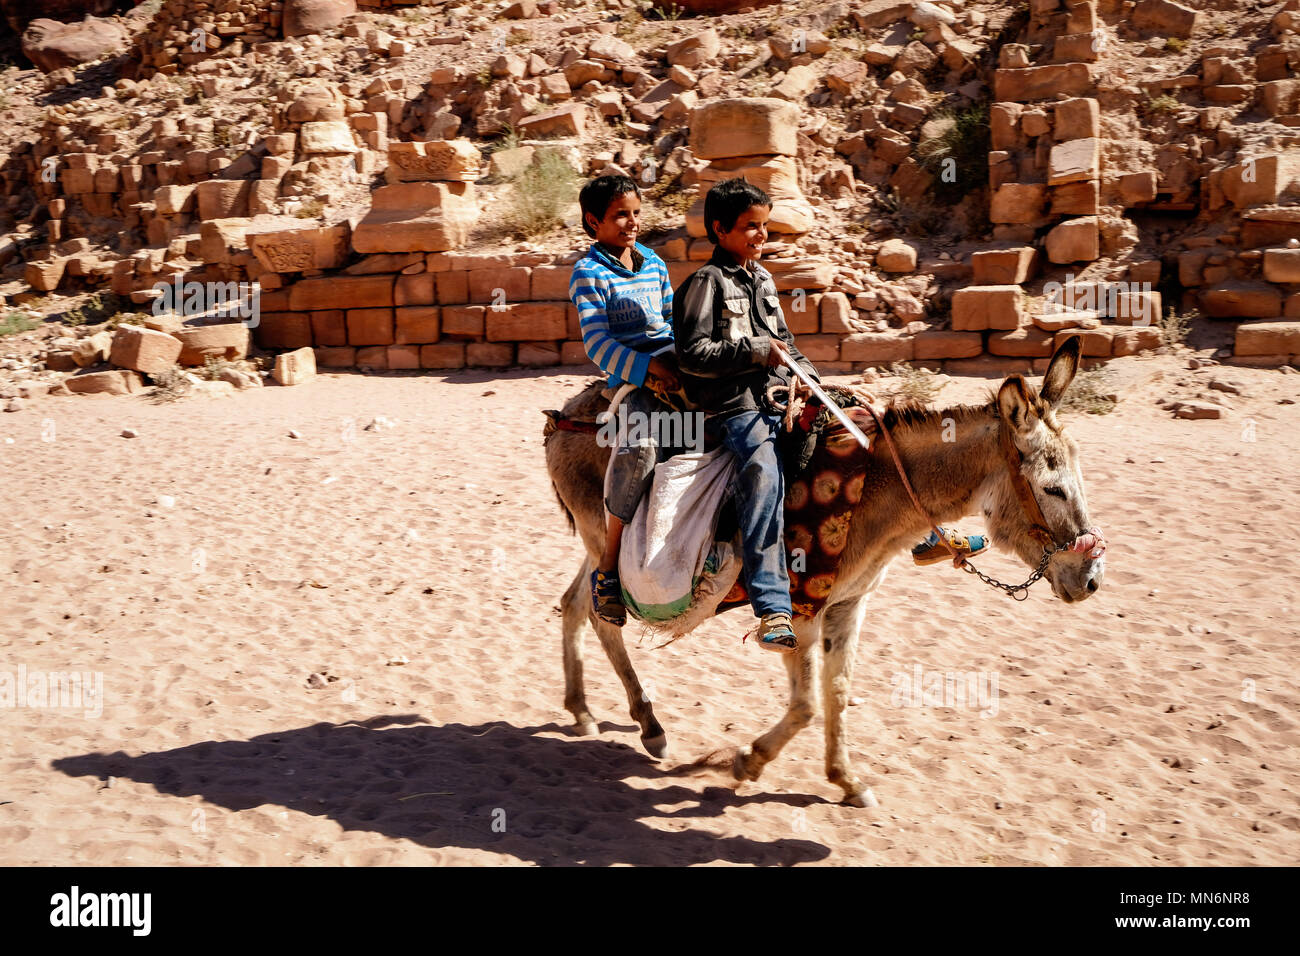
column 1091, row 541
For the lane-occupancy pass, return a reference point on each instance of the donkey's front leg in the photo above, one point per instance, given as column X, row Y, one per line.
column 802, row 668
column 611, row 638
column 840, row 641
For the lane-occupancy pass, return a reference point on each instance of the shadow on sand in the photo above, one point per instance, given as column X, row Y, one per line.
column 565, row 801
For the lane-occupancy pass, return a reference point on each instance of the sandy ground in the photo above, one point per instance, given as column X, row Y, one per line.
column 207, row 568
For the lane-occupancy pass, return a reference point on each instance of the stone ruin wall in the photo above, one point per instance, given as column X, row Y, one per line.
column 391, row 288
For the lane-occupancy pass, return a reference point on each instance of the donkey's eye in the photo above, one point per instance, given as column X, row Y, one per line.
column 1055, row 492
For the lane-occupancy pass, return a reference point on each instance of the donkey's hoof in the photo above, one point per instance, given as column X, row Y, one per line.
column 740, row 768
column 586, row 728
column 863, row 798
column 656, row 746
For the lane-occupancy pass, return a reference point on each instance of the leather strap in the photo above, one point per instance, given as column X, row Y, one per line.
column 1037, row 522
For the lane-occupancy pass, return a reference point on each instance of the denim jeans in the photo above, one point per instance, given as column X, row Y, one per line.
column 760, row 506
column 632, row 462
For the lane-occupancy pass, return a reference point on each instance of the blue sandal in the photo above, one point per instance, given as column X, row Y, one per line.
column 776, row 633
column 932, row 551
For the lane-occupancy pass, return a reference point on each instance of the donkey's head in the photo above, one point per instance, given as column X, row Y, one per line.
column 1048, row 508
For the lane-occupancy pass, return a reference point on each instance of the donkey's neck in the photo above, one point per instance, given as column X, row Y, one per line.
column 949, row 455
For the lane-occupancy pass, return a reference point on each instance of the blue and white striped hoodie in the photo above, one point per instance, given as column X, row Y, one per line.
column 625, row 315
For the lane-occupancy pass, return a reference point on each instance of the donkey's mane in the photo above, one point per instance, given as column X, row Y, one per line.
column 911, row 414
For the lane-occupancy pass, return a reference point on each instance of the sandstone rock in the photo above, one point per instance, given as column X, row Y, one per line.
column 456, row 160
column 1027, row 342
column 228, row 340
column 1137, row 187
column 144, row 350
column 1018, row 203
column 1004, row 266
column 520, row 10
column 300, row 250
column 1197, row 410
column 895, row 255
column 1164, row 17
column 1263, row 179
column 509, row 163
column 112, row 382
column 1042, row 82
column 1074, row 160
column 778, row 176
column 797, row 83
column 44, row 275
column 93, row 350
column 295, row 368
column 1267, row 338
column 1076, row 119
column 222, row 198
column 847, row 76
column 1134, row 340
column 613, row 50
column 568, row 121
column 173, row 200
column 303, row 17
column 410, row 217
column 52, row 45
column 1075, row 240
column 976, row 308
column 695, row 51
column 332, row 136
column 744, row 127
column 1282, row 265
column 1242, row 300
column 880, row 347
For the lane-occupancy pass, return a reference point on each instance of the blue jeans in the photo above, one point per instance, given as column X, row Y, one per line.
column 760, row 506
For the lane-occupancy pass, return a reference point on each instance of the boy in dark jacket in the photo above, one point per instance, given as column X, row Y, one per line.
column 730, row 337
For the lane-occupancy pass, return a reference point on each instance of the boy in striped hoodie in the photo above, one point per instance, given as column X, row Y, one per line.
column 625, row 311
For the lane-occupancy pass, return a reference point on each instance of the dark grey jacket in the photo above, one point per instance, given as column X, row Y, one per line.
column 723, row 319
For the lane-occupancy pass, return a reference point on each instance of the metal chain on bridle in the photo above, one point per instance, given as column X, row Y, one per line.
column 1019, row 592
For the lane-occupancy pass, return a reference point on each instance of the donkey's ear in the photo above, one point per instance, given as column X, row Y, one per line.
column 1014, row 403
column 1060, row 371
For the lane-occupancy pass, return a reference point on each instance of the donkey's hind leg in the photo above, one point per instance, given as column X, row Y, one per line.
column 576, row 605
column 840, row 640
column 639, row 706
column 802, row 668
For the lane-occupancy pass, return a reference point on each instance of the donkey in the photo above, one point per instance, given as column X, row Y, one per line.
column 958, row 461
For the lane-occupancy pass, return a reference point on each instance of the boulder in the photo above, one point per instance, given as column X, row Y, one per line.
column 695, row 51
column 1164, row 17
column 745, row 126
column 228, row 340
column 778, row 176
column 326, row 136
column 1242, row 300
column 1282, row 265
column 112, row 382
column 295, row 368
column 303, row 17
column 417, row 217
column 895, row 255
column 52, row 45
column 144, row 350
column 1267, row 338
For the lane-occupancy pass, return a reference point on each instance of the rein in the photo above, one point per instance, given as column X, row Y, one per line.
column 1091, row 541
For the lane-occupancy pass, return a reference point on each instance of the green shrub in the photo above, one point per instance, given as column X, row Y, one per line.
column 16, row 322
column 542, row 194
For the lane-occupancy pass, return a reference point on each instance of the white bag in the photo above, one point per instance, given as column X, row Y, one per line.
column 668, row 546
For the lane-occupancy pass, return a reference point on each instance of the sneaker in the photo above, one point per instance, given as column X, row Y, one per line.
column 932, row 551
column 607, row 597
column 776, row 633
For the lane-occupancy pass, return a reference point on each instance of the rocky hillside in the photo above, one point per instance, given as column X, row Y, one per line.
column 955, row 184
